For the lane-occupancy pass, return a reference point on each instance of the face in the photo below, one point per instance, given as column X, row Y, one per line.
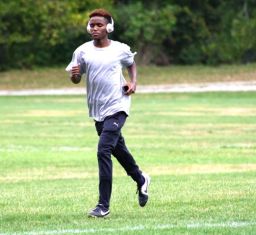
column 98, row 26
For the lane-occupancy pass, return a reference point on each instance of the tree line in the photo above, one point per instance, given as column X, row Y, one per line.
column 46, row 32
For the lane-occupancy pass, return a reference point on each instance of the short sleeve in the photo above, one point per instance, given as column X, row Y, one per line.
column 127, row 56
column 76, row 60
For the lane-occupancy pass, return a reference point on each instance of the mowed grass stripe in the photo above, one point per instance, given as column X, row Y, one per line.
column 75, row 173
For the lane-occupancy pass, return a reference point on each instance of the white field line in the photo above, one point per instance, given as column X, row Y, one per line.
column 232, row 224
column 175, row 88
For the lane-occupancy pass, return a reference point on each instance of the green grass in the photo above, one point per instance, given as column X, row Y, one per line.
column 198, row 148
column 147, row 75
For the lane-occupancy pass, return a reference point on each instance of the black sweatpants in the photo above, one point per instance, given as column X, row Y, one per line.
column 112, row 142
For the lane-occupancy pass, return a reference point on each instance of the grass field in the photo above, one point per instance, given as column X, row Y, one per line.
column 147, row 75
column 200, row 150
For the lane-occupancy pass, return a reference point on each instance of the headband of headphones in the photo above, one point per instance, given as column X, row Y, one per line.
column 109, row 28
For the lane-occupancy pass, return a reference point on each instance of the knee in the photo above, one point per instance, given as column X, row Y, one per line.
column 104, row 151
column 107, row 142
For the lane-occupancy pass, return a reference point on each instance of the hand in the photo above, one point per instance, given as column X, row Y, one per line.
column 129, row 88
column 75, row 74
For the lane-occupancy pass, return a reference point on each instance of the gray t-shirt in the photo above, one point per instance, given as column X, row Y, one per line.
column 103, row 69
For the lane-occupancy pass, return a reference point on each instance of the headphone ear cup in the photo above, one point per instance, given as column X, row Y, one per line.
column 110, row 28
column 88, row 28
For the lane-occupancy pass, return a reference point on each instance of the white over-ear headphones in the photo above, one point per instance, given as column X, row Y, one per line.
column 109, row 28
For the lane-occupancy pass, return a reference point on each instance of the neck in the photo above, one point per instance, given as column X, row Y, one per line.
column 101, row 42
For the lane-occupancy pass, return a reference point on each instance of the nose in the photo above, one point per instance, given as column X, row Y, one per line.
column 94, row 27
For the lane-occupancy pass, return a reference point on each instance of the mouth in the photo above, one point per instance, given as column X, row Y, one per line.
column 95, row 34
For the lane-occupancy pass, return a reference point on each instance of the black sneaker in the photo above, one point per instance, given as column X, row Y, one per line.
column 98, row 212
column 143, row 191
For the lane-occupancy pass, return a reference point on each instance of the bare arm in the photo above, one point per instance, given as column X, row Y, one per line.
column 131, row 86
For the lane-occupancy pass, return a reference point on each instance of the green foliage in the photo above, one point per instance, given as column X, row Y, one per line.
column 146, row 29
column 243, row 34
column 39, row 32
column 190, row 34
column 235, row 41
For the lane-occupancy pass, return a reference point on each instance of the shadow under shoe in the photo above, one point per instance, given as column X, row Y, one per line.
column 99, row 212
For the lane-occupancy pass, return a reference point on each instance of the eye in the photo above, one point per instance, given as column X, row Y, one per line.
column 99, row 25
